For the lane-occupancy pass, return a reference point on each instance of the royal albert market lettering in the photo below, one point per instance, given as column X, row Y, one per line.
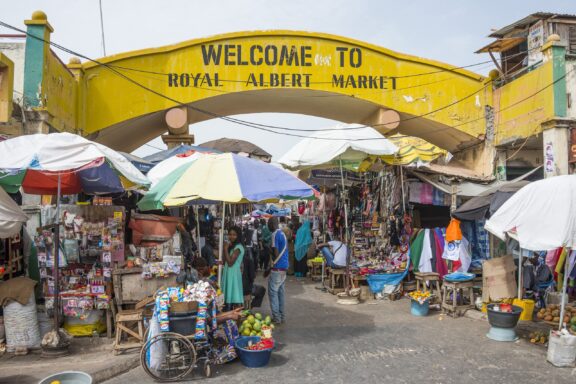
column 279, row 56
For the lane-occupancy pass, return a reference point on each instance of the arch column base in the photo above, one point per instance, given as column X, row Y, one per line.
column 173, row 141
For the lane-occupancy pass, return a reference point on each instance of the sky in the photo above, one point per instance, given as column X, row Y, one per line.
column 444, row 30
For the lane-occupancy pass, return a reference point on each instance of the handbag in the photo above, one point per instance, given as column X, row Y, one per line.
column 268, row 270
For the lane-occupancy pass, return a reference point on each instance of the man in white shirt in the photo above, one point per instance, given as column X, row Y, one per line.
column 335, row 252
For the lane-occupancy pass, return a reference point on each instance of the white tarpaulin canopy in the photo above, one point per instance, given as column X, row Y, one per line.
column 350, row 143
column 11, row 216
column 542, row 215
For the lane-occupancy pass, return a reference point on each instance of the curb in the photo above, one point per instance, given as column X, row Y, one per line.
column 475, row 315
column 114, row 370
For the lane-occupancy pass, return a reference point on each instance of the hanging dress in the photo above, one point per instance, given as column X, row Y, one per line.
column 232, row 279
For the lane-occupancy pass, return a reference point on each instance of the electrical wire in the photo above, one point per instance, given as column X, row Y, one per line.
column 263, row 127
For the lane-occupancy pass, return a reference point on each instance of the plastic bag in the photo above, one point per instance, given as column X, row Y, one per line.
column 157, row 351
column 453, row 231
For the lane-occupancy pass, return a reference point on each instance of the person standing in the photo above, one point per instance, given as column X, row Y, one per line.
column 256, row 244
column 277, row 278
column 266, row 245
column 232, row 274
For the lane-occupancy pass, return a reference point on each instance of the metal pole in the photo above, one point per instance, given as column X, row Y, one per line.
column 564, row 284
column 520, row 262
column 221, row 245
column 402, row 187
column 198, row 228
column 347, row 277
column 56, row 255
column 102, row 28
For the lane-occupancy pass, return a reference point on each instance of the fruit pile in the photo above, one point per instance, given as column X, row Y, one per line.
column 255, row 324
column 538, row 337
column 420, row 296
column 552, row 313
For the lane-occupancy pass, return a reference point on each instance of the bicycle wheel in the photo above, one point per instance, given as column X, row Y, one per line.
column 168, row 357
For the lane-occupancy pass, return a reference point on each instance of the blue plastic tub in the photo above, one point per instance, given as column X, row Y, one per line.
column 252, row 359
column 418, row 309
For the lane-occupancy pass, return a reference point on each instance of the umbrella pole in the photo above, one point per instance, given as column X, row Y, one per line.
column 57, row 259
column 345, row 228
column 198, row 229
column 564, row 284
column 221, row 244
column 520, row 262
column 402, row 186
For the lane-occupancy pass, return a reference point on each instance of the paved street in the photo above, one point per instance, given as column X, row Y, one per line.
column 324, row 342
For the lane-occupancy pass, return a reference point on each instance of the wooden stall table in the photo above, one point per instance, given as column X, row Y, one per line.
column 336, row 280
column 315, row 269
column 457, row 306
column 429, row 277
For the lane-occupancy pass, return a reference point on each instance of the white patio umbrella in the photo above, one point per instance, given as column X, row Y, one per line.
column 11, row 216
column 344, row 147
column 542, row 217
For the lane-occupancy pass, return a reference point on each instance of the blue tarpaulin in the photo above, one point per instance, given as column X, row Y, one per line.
column 377, row 282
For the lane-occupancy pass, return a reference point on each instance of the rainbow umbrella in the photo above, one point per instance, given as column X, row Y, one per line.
column 228, row 178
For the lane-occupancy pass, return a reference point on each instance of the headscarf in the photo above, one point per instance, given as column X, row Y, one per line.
column 303, row 240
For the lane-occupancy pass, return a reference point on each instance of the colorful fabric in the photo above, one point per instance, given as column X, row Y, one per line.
column 303, row 240
column 425, row 264
column 416, row 250
column 224, row 342
column 441, row 267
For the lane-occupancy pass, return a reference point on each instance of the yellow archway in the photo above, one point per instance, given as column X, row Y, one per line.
column 277, row 71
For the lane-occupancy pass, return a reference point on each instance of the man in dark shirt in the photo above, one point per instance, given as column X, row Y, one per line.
column 208, row 252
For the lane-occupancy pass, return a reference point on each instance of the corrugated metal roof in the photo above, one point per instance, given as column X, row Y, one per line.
column 525, row 22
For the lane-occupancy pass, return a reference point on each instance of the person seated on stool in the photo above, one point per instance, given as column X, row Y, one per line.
column 335, row 253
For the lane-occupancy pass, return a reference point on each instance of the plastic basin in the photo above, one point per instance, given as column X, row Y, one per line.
column 418, row 309
column 252, row 359
column 68, row 377
column 504, row 319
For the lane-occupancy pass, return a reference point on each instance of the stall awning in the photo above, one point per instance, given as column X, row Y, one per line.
column 469, row 189
column 502, row 45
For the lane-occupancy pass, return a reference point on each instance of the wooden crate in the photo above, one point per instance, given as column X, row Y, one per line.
column 130, row 287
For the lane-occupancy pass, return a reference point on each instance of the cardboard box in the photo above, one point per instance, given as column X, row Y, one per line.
column 499, row 279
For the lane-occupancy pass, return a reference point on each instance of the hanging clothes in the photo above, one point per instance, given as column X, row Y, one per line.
column 441, row 267
column 303, row 240
column 465, row 257
column 425, row 264
column 416, row 250
column 560, row 269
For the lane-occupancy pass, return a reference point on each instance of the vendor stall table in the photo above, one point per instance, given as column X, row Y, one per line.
column 457, row 306
column 422, row 278
column 336, row 280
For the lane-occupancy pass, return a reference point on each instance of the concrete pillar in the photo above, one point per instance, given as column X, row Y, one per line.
column 37, row 49
column 556, row 132
column 556, row 142
column 501, row 165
